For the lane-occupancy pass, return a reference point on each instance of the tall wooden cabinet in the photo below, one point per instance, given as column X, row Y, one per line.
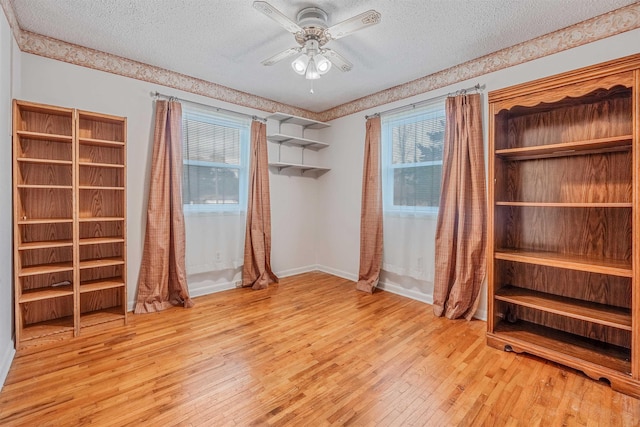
column 564, row 213
column 69, row 222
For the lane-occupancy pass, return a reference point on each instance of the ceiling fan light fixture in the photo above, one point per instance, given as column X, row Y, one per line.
column 312, row 70
column 299, row 65
column 322, row 64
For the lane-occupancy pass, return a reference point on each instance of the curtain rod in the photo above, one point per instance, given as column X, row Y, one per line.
column 170, row 97
column 477, row 88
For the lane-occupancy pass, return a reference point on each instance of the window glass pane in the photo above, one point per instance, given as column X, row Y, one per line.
column 216, row 158
column 204, row 185
column 211, row 142
column 412, row 150
column 418, row 141
column 417, row 186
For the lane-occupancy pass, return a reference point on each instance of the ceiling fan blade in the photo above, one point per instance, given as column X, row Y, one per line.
column 337, row 60
column 282, row 55
column 277, row 16
column 351, row 25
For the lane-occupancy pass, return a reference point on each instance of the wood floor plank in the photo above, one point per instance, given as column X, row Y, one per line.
column 309, row 351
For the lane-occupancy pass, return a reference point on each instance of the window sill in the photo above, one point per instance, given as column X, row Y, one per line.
column 431, row 214
column 189, row 210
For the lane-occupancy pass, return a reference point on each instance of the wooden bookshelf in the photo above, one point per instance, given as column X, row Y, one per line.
column 69, row 189
column 563, row 252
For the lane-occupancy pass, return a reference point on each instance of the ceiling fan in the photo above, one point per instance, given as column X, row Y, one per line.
column 312, row 33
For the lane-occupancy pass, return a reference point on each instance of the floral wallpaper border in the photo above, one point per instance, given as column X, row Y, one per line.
column 591, row 30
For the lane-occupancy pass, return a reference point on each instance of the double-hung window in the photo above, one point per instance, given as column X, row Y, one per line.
column 216, row 157
column 412, row 144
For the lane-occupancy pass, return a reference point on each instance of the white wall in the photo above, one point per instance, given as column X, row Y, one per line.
column 293, row 198
column 338, row 226
column 9, row 63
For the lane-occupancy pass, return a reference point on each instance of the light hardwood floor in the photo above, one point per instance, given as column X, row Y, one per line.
column 310, row 351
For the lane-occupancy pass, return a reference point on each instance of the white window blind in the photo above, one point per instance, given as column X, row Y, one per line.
column 412, row 143
column 215, row 154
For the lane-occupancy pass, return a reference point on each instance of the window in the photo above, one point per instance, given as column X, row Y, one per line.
column 412, row 143
column 216, row 156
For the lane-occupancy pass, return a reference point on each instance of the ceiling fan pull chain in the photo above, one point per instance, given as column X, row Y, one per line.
column 311, row 91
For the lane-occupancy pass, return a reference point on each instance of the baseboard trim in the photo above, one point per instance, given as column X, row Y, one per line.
column 210, row 289
column 5, row 362
column 199, row 291
column 481, row 315
column 294, row 271
column 339, row 273
column 399, row 290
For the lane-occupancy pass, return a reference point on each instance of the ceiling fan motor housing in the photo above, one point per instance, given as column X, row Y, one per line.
column 312, row 17
column 313, row 21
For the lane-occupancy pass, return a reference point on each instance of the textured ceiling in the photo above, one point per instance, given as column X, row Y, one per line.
column 224, row 41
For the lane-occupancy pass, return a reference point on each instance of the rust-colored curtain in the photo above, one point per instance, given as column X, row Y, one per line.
column 371, row 213
column 461, row 234
column 163, row 282
column 256, row 271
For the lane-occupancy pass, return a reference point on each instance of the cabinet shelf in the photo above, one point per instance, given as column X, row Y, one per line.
column 572, row 262
column 98, row 317
column 602, row 314
column 46, row 293
column 100, row 142
column 101, row 219
column 101, row 165
column 45, row 244
column 43, row 161
column 46, row 187
column 567, row 204
column 104, row 262
column 57, row 267
column 40, row 136
column 590, row 146
column 300, row 121
column 100, row 285
column 564, row 347
column 98, row 187
column 294, row 140
column 100, row 240
column 44, row 221
column 48, row 328
column 296, row 166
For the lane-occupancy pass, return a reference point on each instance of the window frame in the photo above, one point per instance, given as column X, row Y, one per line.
column 244, row 127
column 388, row 167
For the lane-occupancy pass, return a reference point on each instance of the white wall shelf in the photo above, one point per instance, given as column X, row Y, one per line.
column 294, row 140
column 297, row 166
column 298, row 141
column 300, row 121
